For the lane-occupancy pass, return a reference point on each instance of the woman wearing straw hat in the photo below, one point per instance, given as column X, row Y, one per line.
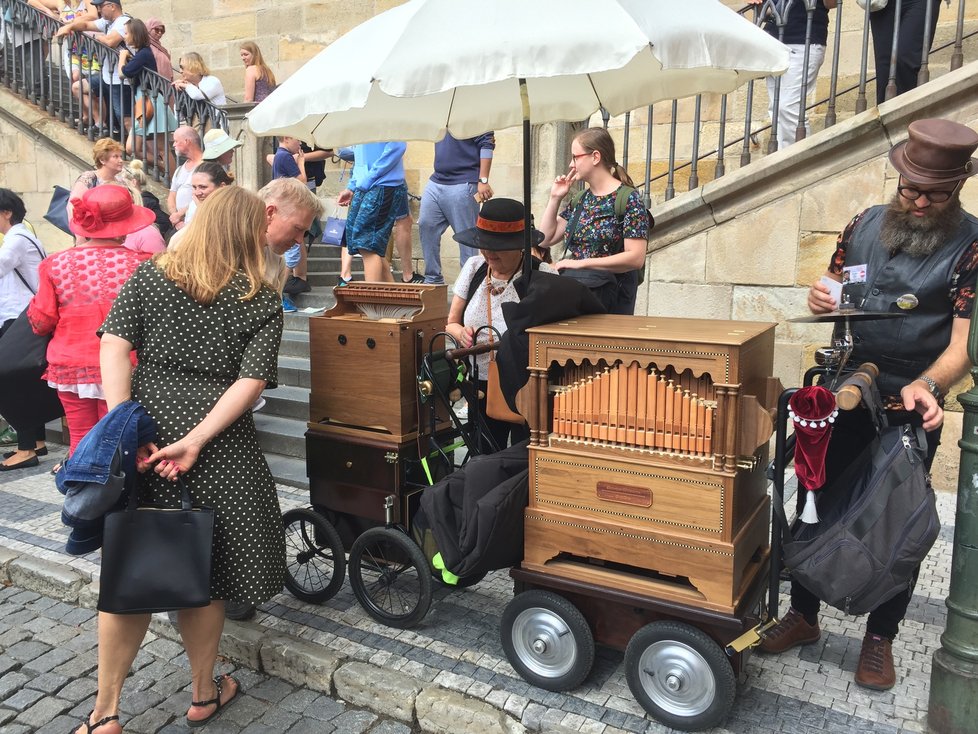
column 75, row 291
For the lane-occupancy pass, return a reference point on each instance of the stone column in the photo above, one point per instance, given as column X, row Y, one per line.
column 250, row 168
column 551, row 156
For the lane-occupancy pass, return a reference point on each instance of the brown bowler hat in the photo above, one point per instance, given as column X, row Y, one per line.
column 936, row 152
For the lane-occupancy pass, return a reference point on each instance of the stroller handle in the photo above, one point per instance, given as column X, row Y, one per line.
column 469, row 351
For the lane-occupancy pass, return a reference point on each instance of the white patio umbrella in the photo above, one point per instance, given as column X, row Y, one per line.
column 469, row 66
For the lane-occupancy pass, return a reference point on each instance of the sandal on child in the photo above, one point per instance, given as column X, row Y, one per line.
column 90, row 728
column 216, row 701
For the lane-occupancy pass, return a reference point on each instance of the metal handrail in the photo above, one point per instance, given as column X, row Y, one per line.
column 777, row 12
column 40, row 67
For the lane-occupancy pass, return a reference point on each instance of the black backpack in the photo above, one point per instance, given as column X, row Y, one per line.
column 877, row 523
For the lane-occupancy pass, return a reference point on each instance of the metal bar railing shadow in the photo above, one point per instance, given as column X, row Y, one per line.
column 74, row 77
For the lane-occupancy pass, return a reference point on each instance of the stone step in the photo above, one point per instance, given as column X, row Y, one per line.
column 298, row 321
column 320, row 298
column 288, row 470
column 295, row 343
column 294, row 371
column 287, row 401
column 278, row 435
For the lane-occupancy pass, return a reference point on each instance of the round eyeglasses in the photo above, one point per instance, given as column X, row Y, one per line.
column 934, row 197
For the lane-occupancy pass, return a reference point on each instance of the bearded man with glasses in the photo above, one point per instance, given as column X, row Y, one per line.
column 918, row 256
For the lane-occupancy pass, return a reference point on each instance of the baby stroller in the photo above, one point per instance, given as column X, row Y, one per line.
column 367, row 495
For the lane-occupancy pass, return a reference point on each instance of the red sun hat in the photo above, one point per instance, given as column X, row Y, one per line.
column 107, row 212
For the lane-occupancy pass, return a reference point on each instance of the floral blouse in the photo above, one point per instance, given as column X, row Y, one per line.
column 598, row 232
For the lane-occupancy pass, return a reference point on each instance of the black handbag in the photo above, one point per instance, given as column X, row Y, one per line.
column 156, row 559
column 57, row 213
column 877, row 522
column 25, row 398
column 25, row 354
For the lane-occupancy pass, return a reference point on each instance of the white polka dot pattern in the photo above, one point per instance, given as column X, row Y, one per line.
column 189, row 355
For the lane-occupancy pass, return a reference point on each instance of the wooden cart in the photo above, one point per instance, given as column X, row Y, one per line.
column 647, row 525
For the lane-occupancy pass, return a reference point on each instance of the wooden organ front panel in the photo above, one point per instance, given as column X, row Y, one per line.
column 647, row 455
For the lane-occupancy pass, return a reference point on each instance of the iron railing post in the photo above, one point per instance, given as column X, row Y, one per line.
column 923, row 76
column 957, row 56
column 830, row 118
column 863, row 64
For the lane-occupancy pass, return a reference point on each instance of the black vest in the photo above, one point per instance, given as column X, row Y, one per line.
column 903, row 348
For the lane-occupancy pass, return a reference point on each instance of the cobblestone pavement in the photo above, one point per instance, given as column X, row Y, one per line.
column 457, row 647
column 48, row 682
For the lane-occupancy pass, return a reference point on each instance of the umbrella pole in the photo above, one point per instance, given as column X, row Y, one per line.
column 527, row 162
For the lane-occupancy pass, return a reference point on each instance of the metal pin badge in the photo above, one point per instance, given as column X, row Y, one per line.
column 908, row 301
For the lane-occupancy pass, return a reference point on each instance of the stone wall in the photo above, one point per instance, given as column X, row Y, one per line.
column 748, row 246
column 37, row 153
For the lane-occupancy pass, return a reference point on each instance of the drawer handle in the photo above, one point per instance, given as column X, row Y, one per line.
column 349, row 465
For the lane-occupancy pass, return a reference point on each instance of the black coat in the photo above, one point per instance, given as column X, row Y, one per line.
column 151, row 202
column 476, row 513
column 548, row 298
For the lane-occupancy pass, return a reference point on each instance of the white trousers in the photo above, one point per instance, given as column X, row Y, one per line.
column 791, row 81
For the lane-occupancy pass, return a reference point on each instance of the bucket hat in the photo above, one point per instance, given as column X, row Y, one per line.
column 217, row 143
column 500, row 226
column 106, row 212
column 936, row 152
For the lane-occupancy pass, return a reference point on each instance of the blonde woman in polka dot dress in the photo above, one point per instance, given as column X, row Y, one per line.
column 206, row 330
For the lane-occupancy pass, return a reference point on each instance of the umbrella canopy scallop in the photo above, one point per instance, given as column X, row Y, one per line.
column 428, row 66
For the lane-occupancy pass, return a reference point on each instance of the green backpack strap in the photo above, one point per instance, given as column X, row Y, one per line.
column 621, row 202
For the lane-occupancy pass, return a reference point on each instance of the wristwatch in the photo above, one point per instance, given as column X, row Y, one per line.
column 483, row 180
column 932, row 385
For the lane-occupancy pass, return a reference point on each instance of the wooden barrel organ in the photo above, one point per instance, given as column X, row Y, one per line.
column 647, row 455
column 366, row 433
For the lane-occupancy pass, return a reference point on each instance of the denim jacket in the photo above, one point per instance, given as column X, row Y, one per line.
column 101, row 467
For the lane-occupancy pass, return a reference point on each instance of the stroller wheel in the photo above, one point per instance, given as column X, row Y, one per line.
column 390, row 577
column 314, row 557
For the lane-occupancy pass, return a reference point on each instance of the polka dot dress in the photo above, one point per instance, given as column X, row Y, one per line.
column 189, row 355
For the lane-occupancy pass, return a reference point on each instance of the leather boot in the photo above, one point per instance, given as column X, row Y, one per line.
column 790, row 632
column 875, row 669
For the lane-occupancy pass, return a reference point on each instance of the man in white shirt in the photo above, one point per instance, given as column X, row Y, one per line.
column 110, row 29
column 186, row 144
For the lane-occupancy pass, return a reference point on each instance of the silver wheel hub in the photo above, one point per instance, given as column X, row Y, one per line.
column 677, row 678
column 544, row 643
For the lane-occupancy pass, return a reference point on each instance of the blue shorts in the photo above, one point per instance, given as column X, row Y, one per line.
column 372, row 216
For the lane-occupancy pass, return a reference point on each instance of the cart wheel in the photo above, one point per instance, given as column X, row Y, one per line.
column 680, row 675
column 390, row 577
column 315, row 562
column 547, row 640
